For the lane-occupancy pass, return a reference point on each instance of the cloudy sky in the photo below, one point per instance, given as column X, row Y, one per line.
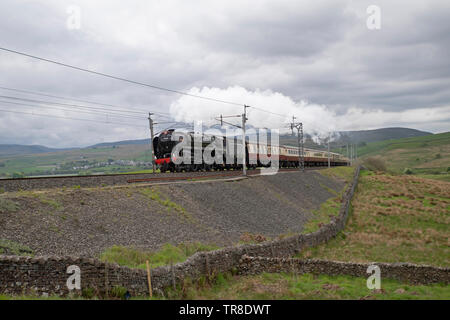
column 316, row 60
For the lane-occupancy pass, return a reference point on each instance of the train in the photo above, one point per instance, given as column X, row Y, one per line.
column 256, row 155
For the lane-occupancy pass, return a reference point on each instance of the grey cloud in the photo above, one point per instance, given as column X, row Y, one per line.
column 319, row 51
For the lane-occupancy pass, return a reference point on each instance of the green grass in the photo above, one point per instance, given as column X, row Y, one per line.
column 154, row 195
column 345, row 173
column 136, row 258
column 54, row 204
column 285, row 286
column 13, row 248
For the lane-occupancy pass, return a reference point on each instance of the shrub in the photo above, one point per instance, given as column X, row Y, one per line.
column 18, row 175
column 407, row 171
column 375, row 164
column 118, row 292
column 87, row 293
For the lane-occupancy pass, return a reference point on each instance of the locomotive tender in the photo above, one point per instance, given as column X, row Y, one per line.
column 256, row 155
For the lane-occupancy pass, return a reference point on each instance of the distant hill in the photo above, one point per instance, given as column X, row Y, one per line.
column 357, row 137
column 121, row 143
column 426, row 155
column 16, row 149
column 378, row 135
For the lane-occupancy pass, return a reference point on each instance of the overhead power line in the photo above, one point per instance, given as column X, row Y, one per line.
column 70, row 118
column 72, row 110
column 137, row 82
column 267, row 111
column 66, row 105
column 118, row 78
column 84, row 101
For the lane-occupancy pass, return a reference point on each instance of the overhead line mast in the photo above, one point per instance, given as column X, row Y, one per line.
column 244, row 121
column 244, row 160
column 301, row 150
column 152, row 152
column 329, row 138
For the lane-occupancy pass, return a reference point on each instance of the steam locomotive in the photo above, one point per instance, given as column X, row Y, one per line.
column 256, row 155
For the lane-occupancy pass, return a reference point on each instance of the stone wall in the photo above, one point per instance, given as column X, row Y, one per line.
column 405, row 272
column 48, row 275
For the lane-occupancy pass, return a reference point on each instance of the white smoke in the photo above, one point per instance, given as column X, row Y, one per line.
column 318, row 120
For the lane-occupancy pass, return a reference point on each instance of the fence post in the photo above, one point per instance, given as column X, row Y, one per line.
column 149, row 279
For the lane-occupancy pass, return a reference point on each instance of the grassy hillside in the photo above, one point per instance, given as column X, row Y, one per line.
column 395, row 218
column 428, row 155
column 15, row 149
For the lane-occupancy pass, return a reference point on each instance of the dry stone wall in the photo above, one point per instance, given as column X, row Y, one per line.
column 405, row 272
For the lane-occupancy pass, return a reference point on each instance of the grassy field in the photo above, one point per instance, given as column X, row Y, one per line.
column 394, row 219
column 427, row 156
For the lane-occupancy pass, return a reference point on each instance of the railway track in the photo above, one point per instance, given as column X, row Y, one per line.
column 11, row 185
column 213, row 174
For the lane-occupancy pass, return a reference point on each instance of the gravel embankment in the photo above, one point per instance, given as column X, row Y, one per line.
column 87, row 221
